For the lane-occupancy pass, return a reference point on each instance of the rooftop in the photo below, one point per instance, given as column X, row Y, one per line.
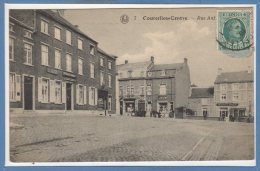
column 136, row 65
column 202, row 92
column 62, row 20
column 166, row 66
column 105, row 53
column 235, row 77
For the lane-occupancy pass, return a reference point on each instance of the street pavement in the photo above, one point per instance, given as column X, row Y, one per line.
column 89, row 138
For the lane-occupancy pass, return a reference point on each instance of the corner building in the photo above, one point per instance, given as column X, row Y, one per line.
column 55, row 66
column 144, row 86
column 234, row 94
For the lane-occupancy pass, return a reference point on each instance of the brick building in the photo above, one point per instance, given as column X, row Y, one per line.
column 168, row 88
column 132, row 85
column 234, row 94
column 201, row 103
column 55, row 66
column 144, row 86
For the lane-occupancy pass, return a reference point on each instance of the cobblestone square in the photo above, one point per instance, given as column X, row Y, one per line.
column 87, row 138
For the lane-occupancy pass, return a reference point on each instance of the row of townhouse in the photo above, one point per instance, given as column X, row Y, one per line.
column 231, row 96
column 145, row 86
column 55, row 66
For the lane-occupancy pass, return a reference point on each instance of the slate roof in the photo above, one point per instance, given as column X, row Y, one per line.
column 235, row 77
column 134, row 66
column 105, row 53
column 202, row 92
column 62, row 20
column 160, row 67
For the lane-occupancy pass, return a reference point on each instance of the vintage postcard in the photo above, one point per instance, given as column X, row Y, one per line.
column 137, row 85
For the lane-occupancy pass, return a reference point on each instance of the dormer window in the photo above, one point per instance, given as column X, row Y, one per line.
column 28, row 34
column 11, row 27
column 163, row 73
column 129, row 74
column 92, row 49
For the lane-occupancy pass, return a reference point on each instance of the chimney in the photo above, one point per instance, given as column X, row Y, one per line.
column 185, row 60
column 249, row 69
column 126, row 61
column 152, row 59
column 219, row 71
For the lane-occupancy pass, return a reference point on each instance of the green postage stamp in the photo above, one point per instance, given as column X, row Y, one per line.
column 234, row 32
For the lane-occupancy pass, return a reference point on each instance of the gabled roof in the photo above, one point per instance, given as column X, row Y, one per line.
column 134, row 66
column 104, row 53
column 235, row 77
column 62, row 20
column 166, row 66
column 202, row 92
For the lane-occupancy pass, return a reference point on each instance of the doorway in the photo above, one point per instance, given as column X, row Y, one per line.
column 28, row 93
column 68, row 96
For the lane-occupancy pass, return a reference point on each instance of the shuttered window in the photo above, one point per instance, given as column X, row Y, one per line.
column 45, row 90
column 57, row 92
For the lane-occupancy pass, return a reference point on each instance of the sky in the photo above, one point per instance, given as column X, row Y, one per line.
column 168, row 41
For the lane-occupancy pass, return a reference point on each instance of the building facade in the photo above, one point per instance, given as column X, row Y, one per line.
column 168, row 88
column 201, row 103
column 55, row 66
column 234, row 95
column 160, row 88
column 132, row 86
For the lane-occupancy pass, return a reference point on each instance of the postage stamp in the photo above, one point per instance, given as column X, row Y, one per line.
column 235, row 33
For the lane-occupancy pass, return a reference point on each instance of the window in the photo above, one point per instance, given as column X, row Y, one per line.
column 28, row 53
column 57, row 33
column 109, row 81
column 132, row 91
column 57, row 59
column 223, row 87
column 80, row 66
column 141, row 90
column 149, row 74
column 81, row 95
column 44, row 27
column 101, row 78
column 250, row 85
column 28, row 34
column 128, row 90
column 162, row 89
column 109, row 65
column 12, row 86
column 142, row 74
column 68, row 63
column 163, row 73
column 149, row 90
column 57, row 92
column 92, row 96
column 45, row 90
column 80, row 42
column 109, row 103
column 235, row 86
column 121, row 92
column 235, row 96
column 92, row 49
column 223, row 97
column 101, row 61
column 45, row 55
column 92, row 70
column 11, row 27
column 68, row 37
column 11, row 48
column 129, row 74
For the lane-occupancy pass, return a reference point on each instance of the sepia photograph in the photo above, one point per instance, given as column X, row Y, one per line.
column 130, row 85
